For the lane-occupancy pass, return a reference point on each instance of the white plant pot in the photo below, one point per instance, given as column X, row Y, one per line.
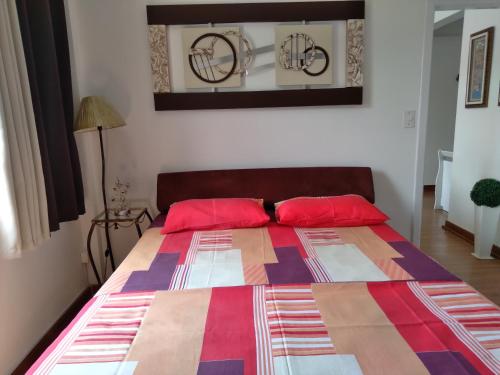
column 485, row 230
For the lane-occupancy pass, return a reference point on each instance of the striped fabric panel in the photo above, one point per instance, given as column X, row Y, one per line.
column 318, row 270
column 201, row 241
column 262, row 337
column 311, row 237
column 393, row 270
column 180, row 277
column 215, row 240
column 480, row 316
column 444, row 300
column 109, row 333
column 308, row 247
column 58, row 351
column 209, row 241
column 295, row 322
column 322, row 236
column 193, row 248
column 255, row 274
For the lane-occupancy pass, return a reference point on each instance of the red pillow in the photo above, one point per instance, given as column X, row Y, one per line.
column 223, row 213
column 339, row 211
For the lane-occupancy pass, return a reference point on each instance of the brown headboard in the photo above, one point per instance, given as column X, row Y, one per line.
column 272, row 184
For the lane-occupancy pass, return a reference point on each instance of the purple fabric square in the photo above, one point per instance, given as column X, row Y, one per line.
column 227, row 367
column 158, row 276
column 447, row 363
column 290, row 269
column 419, row 265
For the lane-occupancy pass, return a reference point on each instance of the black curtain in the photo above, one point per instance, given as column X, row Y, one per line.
column 45, row 40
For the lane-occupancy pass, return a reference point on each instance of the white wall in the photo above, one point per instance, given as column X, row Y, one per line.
column 112, row 59
column 35, row 290
column 477, row 130
column 442, row 102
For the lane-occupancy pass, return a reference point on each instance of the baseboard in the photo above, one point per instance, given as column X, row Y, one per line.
column 459, row 231
column 55, row 330
column 429, row 188
column 495, row 251
column 468, row 236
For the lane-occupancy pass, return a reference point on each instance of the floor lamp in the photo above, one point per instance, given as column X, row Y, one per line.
column 96, row 114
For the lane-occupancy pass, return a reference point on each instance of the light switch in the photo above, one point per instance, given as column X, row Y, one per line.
column 409, row 119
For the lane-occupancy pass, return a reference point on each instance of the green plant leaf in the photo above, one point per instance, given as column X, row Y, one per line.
column 486, row 192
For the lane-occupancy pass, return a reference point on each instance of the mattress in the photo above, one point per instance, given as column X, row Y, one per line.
column 279, row 300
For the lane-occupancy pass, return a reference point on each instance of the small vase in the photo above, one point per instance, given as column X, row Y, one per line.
column 485, row 230
column 124, row 212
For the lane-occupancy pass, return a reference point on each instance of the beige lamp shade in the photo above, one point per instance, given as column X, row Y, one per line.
column 95, row 112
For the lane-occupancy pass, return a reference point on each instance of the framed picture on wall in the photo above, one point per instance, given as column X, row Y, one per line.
column 499, row 94
column 271, row 54
column 478, row 77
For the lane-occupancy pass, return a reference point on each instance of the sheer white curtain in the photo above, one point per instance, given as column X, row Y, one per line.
column 23, row 203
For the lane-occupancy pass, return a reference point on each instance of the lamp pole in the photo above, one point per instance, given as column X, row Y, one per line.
column 109, row 251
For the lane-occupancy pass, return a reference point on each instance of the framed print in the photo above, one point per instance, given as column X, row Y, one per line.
column 211, row 57
column 478, row 78
column 499, row 94
column 295, row 64
column 256, row 55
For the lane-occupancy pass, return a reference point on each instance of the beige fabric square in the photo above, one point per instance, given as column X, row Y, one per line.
column 368, row 242
column 255, row 245
column 144, row 251
column 357, row 325
column 171, row 336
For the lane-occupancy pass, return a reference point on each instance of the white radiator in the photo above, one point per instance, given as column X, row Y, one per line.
column 443, row 180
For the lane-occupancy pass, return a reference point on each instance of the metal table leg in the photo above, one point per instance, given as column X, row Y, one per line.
column 138, row 227
column 109, row 250
column 149, row 216
column 91, row 257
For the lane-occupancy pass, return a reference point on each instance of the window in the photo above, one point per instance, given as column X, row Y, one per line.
column 8, row 231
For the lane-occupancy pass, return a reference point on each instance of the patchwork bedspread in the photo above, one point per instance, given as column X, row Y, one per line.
column 279, row 301
column 345, row 328
column 273, row 254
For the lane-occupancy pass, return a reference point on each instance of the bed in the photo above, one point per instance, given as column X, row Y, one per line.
column 282, row 300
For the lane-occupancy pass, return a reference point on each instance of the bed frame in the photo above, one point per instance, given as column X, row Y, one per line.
column 272, row 184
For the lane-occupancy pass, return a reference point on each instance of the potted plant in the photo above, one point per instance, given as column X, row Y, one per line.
column 486, row 196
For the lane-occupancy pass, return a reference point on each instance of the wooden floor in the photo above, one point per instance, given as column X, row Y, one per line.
column 455, row 254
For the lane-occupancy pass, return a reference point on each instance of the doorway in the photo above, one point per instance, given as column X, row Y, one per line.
column 445, row 68
column 448, row 23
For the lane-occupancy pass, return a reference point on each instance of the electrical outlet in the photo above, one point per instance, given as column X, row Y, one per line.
column 84, row 256
column 409, row 118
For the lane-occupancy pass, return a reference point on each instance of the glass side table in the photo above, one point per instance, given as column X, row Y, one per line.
column 135, row 217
